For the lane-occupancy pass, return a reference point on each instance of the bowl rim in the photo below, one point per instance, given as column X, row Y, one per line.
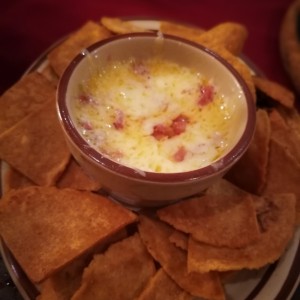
column 105, row 162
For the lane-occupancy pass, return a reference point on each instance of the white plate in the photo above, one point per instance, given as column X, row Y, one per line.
column 277, row 281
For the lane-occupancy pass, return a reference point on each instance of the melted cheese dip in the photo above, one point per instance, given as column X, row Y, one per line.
column 154, row 115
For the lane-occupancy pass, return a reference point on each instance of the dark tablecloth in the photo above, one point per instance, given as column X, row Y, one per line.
column 29, row 27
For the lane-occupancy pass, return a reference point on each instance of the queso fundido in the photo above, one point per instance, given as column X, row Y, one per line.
column 156, row 115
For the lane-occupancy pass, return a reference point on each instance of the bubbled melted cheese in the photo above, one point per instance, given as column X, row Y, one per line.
column 139, row 95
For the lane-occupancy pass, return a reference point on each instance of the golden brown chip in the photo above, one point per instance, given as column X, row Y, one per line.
column 76, row 178
column 283, row 174
column 155, row 235
column 289, row 42
column 249, row 173
column 225, row 188
column 13, row 179
column 29, row 94
column 279, row 222
column 122, row 272
column 88, row 34
column 292, row 119
column 49, row 73
column 285, row 135
column 63, row 284
column 216, row 220
column 162, row 287
column 275, row 91
column 120, row 26
column 36, row 146
column 180, row 239
column 184, row 31
column 46, row 228
column 230, row 35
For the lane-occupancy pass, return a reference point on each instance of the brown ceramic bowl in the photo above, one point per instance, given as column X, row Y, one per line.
column 143, row 188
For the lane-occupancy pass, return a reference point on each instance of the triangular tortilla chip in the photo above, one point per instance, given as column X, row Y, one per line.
column 45, row 228
column 285, row 135
column 225, row 188
column 185, row 31
column 76, row 178
column 120, row 26
column 216, row 220
column 275, row 91
column 162, row 287
column 122, row 272
column 283, row 174
column 249, row 173
column 230, row 35
column 279, row 223
column 90, row 33
column 29, row 94
column 179, row 239
column 36, row 146
column 155, row 235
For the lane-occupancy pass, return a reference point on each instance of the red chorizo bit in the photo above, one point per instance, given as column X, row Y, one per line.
column 179, row 124
column 119, row 119
column 206, row 95
column 180, row 154
column 161, row 131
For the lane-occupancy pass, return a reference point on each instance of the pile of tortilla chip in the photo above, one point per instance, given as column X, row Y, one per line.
column 75, row 243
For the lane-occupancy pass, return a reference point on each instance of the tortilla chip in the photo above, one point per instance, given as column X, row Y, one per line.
column 279, row 222
column 29, row 94
column 283, row 174
column 50, row 74
column 179, row 239
column 275, row 91
column 36, row 146
column 230, row 35
column 225, row 188
column 90, row 33
column 46, row 228
column 249, row 173
column 162, row 287
column 155, row 235
column 284, row 135
column 63, row 284
column 76, row 178
column 14, row 180
column 216, row 220
column 122, row 272
column 120, row 26
column 292, row 119
column 191, row 33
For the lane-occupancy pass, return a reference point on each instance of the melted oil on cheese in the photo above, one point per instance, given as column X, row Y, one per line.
column 144, row 94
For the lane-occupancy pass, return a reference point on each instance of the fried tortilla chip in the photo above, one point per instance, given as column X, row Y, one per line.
column 29, row 94
column 13, row 179
column 63, row 284
column 275, row 91
column 225, row 188
column 60, row 57
column 249, row 173
column 216, row 220
column 279, row 222
column 179, row 239
column 283, row 174
column 46, row 228
column 122, row 272
column 162, row 287
column 120, row 26
column 230, row 35
column 284, row 135
column 76, row 178
column 36, row 146
column 191, row 33
column 155, row 235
